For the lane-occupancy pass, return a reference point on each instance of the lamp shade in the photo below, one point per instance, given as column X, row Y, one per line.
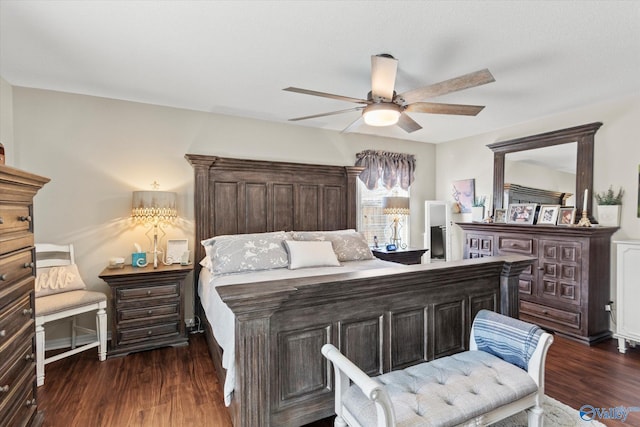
column 395, row 205
column 152, row 205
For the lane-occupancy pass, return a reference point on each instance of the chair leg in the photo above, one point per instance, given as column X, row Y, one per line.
column 339, row 422
column 73, row 331
column 101, row 330
column 40, row 355
column 536, row 416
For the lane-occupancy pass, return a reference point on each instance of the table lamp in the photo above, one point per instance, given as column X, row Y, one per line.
column 396, row 207
column 154, row 208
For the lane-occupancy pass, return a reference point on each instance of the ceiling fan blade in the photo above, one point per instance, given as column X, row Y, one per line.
column 326, row 114
column 326, row 95
column 383, row 77
column 452, row 85
column 438, row 108
column 354, row 124
column 408, row 124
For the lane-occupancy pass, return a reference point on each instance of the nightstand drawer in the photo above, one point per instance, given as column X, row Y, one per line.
column 146, row 292
column 131, row 336
column 154, row 312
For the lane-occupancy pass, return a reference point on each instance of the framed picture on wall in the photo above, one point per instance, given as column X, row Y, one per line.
column 548, row 214
column 464, row 192
column 500, row 216
column 566, row 216
column 521, row 213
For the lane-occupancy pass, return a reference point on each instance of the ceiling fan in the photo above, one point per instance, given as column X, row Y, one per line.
column 384, row 107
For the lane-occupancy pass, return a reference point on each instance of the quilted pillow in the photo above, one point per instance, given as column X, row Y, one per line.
column 349, row 245
column 55, row 280
column 247, row 252
column 310, row 254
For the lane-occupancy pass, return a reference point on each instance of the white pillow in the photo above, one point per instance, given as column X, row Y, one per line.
column 55, row 280
column 311, row 254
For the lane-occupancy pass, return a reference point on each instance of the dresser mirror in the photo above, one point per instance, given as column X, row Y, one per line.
column 551, row 146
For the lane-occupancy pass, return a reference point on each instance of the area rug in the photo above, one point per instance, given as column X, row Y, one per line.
column 555, row 414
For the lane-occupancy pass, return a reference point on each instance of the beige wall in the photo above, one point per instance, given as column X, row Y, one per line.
column 6, row 120
column 97, row 151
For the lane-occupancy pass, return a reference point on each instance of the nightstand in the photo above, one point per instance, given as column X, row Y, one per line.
column 402, row 256
column 147, row 307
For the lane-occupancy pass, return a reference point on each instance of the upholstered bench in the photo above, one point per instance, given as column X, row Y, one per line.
column 501, row 375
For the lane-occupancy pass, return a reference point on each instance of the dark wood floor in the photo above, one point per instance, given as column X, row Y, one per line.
column 178, row 386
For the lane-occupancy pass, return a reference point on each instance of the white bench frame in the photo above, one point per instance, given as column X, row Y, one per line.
column 346, row 372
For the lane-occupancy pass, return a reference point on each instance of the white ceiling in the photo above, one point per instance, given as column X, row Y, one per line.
column 235, row 57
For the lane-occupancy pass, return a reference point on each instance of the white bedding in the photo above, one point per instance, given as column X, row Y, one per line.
column 222, row 319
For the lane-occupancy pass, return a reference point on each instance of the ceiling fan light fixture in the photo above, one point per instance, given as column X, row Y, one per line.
column 386, row 114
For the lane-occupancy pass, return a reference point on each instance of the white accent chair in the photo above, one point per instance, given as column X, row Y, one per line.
column 501, row 375
column 67, row 305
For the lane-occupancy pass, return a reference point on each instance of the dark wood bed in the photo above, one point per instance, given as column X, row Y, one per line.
column 383, row 319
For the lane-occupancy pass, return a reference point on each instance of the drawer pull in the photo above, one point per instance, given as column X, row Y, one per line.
column 4, row 276
column 541, row 268
column 148, row 292
column 1, row 220
column 30, row 402
column 4, row 388
column 29, row 357
column 27, row 311
column 150, row 333
column 24, row 218
column 28, row 265
column 545, row 312
column 3, row 333
column 150, row 312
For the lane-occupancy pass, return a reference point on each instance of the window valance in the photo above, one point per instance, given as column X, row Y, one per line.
column 392, row 168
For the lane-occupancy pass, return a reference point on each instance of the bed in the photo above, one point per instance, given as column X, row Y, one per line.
column 383, row 318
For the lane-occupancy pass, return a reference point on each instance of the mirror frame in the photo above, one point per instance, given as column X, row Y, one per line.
column 583, row 135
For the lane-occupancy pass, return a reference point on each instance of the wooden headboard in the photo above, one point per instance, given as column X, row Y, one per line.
column 237, row 196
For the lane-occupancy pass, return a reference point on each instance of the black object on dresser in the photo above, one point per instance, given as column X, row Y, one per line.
column 148, row 307
column 567, row 287
column 18, row 390
column 401, row 256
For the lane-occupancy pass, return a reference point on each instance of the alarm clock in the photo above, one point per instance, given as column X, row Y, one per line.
column 391, row 247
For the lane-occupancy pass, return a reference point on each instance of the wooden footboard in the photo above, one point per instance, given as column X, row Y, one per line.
column 382, row 320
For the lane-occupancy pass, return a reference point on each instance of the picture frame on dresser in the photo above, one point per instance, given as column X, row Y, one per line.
column 521, row 213
column 566, row 216
column 500, row 216
column 548, row 214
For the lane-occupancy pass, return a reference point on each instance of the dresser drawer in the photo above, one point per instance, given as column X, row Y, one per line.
column 136, row 335
column 14, row 218
column 16, row 291
column 17, row 344
column 524, row 245
column 19, row 404
column 545, row 314
column 14, row 318
column 15, row 267
column 15, row 241
column 16, row 364
column 148, row 292
column 149, row 313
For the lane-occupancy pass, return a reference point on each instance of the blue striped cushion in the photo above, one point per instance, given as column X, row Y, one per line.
column 510, row 339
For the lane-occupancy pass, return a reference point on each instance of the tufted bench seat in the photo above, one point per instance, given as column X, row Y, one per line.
column 501, row 375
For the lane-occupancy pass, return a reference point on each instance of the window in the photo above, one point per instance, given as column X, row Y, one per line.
column 372, row 222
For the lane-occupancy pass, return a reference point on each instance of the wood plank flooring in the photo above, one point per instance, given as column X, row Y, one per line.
column 178, row 386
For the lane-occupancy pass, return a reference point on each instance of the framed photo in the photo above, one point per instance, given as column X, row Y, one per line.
column 548, row 214
column 566, row 216
column 500, row 216
column 175, row 250
column 521, row 213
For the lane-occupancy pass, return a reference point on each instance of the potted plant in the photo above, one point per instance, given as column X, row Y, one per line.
column 477, row 208
column 609, row 203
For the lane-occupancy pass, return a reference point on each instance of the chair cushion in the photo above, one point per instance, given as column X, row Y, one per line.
column 56, row 303
column 446, row 391
column 53, row 280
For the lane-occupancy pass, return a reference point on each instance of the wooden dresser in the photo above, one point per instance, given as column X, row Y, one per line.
column 18, row 401
column 148, row 307
column 567, row 288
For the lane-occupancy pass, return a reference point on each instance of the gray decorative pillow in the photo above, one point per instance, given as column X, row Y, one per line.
column 247, row 252
column 349, row 245
column 55, row 280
